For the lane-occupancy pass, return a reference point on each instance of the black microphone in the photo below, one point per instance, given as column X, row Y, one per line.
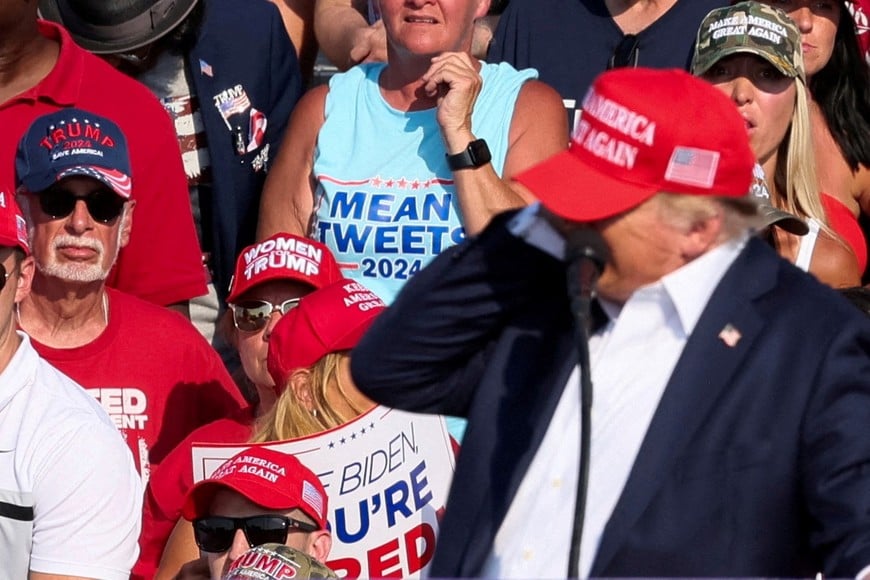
column 586, row 253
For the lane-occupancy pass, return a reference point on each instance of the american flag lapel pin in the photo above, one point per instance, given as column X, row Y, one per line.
column 730, row 335
column 205, row 68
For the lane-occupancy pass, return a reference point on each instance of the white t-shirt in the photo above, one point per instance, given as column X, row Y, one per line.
column 70, row 497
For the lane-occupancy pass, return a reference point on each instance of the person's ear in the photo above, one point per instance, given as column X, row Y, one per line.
column 319, row 545
column 127, row 224
column 703, row 235
column 300, row 382
column 26, row 270
column 482, row 9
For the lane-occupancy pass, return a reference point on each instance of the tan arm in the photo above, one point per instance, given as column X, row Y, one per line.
column 539, row 129
column 288, row 194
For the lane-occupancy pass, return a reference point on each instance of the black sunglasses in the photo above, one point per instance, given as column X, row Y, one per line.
column 103, row 205
column 253, row 315
column 626, row 52
column 215, row 533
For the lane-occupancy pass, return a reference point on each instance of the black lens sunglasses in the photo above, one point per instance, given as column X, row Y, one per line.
column 215, row 533
column 103, row 205
column 626, row 52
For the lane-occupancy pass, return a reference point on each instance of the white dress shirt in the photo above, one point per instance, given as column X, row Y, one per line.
column 632, row 359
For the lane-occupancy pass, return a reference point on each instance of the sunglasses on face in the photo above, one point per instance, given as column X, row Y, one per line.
column 103, row 205
column 626, row 52
column 253, row 315
column 215, row 533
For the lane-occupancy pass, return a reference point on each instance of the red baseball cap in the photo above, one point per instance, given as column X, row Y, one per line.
column 645, row 131
column 283, row 257
column 331, row 319
column 13, row 228
column 268, row 478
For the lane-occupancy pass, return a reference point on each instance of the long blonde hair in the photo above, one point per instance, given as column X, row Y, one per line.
column 795, row 178
column 291, row 418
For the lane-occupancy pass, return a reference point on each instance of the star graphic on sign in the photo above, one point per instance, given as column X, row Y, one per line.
column 388, row 183
column 353, row 435
column 377, row 182
column 362, row 431
column 415, row 184
column 342, row 440
column 371, row 425
column 402, row 183
column 332, row 444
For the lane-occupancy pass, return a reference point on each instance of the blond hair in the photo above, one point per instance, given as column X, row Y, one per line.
column 291, row 418
column 795, row 178
column 684, row 211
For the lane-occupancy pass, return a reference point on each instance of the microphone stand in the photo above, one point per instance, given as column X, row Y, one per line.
column 587, row 253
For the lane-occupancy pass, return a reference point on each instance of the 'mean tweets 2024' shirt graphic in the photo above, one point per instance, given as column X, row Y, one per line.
column 386, row 202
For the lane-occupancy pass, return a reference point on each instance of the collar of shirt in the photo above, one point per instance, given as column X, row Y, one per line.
column 690, row 287
column 63, row 83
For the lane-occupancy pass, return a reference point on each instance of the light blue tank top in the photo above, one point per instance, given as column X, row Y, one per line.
column 385, row 202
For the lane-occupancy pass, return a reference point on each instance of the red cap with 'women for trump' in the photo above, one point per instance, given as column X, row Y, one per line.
column 645, row 131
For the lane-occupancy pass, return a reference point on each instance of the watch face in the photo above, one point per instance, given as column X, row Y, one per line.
column 475, row 155
column 479, row 152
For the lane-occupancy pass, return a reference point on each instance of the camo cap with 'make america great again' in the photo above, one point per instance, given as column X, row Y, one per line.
column 749, row 27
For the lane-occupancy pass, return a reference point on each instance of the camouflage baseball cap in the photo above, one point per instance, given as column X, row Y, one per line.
column 749, row 27
column 275, row 561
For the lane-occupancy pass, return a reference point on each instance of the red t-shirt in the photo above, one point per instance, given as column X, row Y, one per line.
column 153, row 373
column 168, row 487
column 162, row 263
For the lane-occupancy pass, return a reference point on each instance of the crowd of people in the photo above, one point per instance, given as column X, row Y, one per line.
column 615, row 247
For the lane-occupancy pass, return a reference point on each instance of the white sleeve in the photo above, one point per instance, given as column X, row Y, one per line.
column 87, row 505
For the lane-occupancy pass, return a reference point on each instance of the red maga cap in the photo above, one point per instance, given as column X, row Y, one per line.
column 13, row 228
column 331, row 319
column 283, row 257
column 645, row 131
column 271, row 479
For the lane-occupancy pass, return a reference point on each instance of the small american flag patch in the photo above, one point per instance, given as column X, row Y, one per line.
column 730, row 335
column 695, row 167
column 312, row 497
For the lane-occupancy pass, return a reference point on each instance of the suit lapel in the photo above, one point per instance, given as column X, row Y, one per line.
column 711, row 357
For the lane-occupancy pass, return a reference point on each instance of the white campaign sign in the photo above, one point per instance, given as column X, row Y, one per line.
column 387, row 474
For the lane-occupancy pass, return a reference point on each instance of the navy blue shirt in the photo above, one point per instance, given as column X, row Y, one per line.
column 571, row 41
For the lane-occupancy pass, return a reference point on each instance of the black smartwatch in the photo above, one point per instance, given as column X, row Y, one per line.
column 475, row 155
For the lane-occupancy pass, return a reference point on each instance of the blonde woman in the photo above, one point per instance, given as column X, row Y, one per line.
column 752, row 53
column 308, row 369
column 309, row 360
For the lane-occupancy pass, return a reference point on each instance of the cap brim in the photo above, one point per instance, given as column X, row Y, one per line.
column 118, row 182
column 782, row 67
column 570, row 188
column 50, row 10
column 200, row 497
column 286, row 274
column 772, row 216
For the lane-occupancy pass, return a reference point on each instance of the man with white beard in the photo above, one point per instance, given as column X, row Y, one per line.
column 149, row 368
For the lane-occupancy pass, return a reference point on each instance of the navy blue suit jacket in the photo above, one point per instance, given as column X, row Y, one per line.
column 757, row 460
column 241, row 44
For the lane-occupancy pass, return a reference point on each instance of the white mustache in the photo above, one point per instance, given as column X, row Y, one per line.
column 67, row 241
